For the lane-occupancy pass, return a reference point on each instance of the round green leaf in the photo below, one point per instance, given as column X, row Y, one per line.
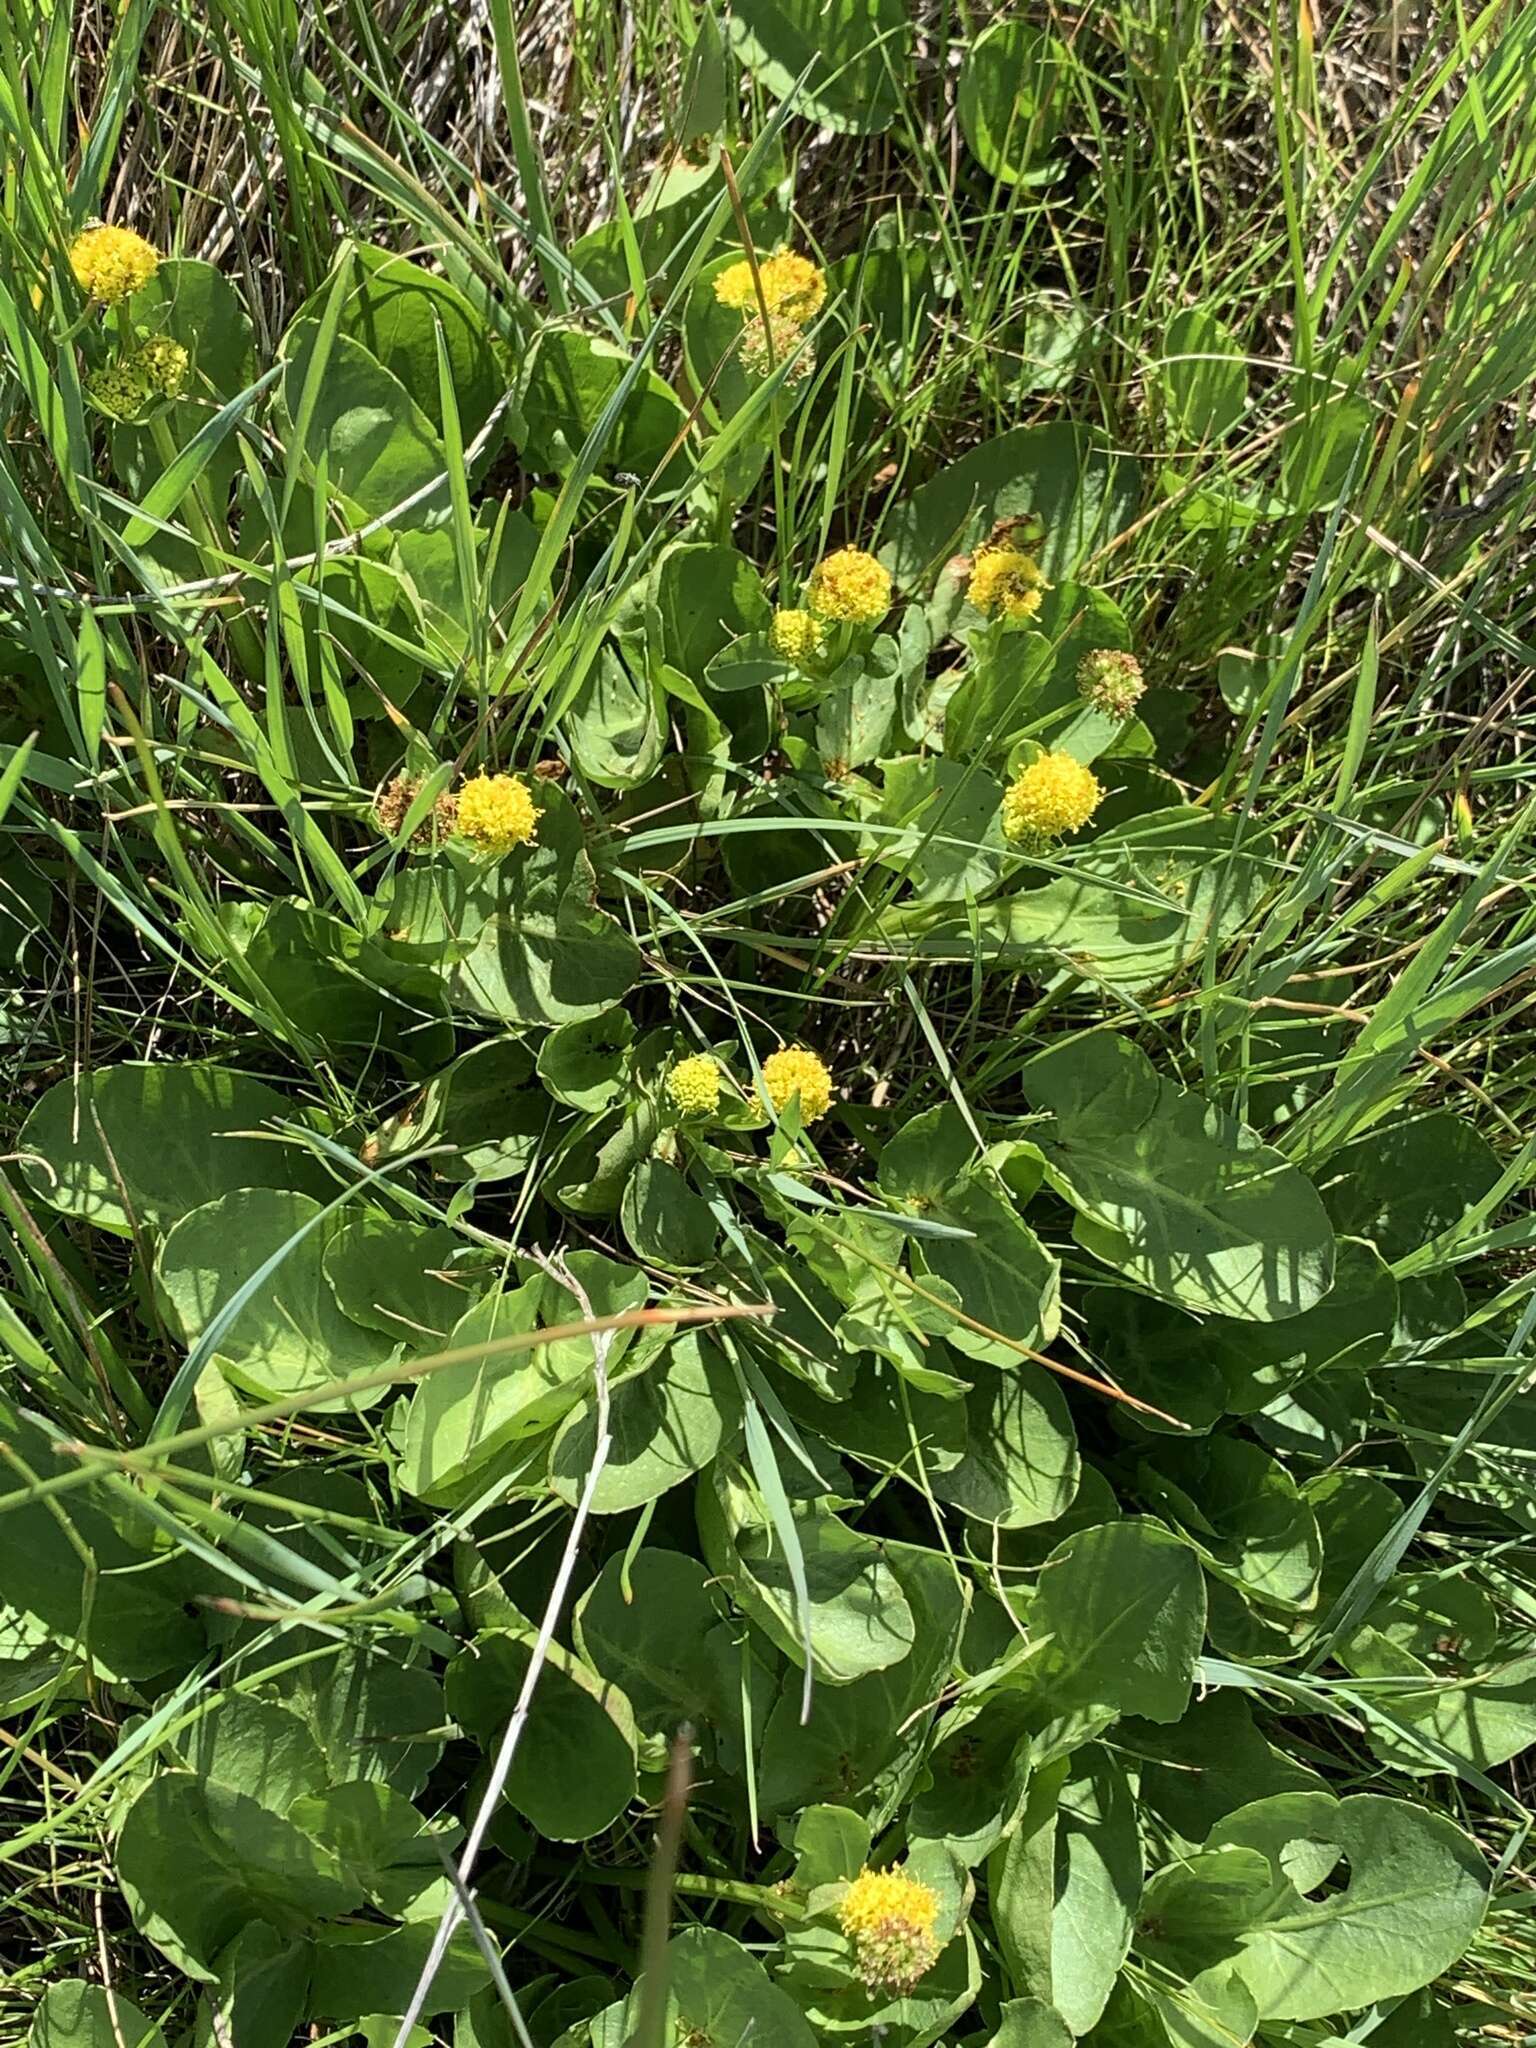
column 1204, row 377
column 398, row 1279
column 1124, row 1605
column 665, row 1424
column 841, row 66
column 1173, row 1190
column 74, row 2014
column 142, row 1145
column 572, row 380
column 1003, row 1275
column 1012, row 85
column 291, row 1334
column 574, row 1772
column 666, row 1222
column 1021, row 1465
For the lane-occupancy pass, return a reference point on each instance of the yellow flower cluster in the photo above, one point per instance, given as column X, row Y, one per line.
column 849, row 588
column 111, row 264
column 156, row 370
column 1111, row 681
column 1005, row 584
column 796, row 636
column 889, row 1917
column 792, row 1072
column 764, row 349
column 693, row 1085
column 1054, row 795
column 791, row 285
column 496, row 813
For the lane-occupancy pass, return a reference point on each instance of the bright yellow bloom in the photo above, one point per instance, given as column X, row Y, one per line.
column 889, row 1917
column 694, row 1085
column 850, row 587
column 766, row 349
column 1005, row 584
column 796, row 635
column 496, row 813
column 110, row 264
column 1052, row 796
column 792, row 1072
column 790, row 284
column 1111, row 681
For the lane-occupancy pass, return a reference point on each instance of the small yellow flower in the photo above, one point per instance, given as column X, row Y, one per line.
column 1052, row 796
column 792, row 1072
column 1111, row 681
column 164, row 363
column 850, row 587
column 795, row 635
column 790, row 284
column 889, row 1917
column 496, row 813
column 1005, row 584
column 110, row 264
column 694, row 1085
column 766, row 349
column 119, row 389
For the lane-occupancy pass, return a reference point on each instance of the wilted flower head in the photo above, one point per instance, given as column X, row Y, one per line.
column 796, row 635
column 1111, row 681
column 394, row 802
column 694, row 1085
column 764, row 349
column 790, row 284
column 111, row 264
column 889, row 1917
column 850, row 588
column 496, row 813
column 1005, row 584
column 1054, row 795
column 792, row 1072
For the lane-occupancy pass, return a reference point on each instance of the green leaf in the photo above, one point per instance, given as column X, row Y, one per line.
column 657, row 1635
column 344, row 990
column 976, row 1775
column 925, row 1155
column 394, row 309
column 399, row 1279
column 519, row 939
column 583, row 1063
column 1098, row 1885
column 853, row 58
column 574, row 1772
column 1203, row 375
column 376, row 445
column 1124, row 1605
column 666, row 1423
column 1408, row 1182
column 1408, row 1897
column 1173, row 1190
column 1245, row 1514
column 859, row 1620
column 615, row 724
column 197, row 1862
column 143, row 1145
column 572, row 378
column 358, row 1968
column 1064, row 474
column 374, row 1717
column 254, row 1746
column 666, row 1222
column 705, row 597
column 485, row 1109
column 466, row 1413
column 1027, row 2023
column 1214, row 1760
column 1003, row 1275
column 1013, row 84
column 292, row 1334
column 74, row 2014
column 1021, row 1465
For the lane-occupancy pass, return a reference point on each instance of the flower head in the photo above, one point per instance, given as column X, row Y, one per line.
column 850, row 587
column 392, row 804
column 889, row 1917
column 764, row 349
column 164, row 363
column 110, row 264
column 1111, row 681
column 694, row 1085
column 792, row 1072
column 1005, row 584
column 796, row 635
column 1054, row 795
column 790, row 284
column 124, row 387
column 496, row 813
